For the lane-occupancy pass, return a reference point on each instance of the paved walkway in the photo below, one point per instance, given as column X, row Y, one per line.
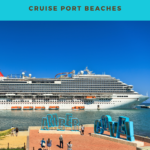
column 79, row 142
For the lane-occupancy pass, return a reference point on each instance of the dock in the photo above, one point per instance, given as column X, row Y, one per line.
column 144, row 106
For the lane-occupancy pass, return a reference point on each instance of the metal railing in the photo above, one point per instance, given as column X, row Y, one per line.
column 8, row 146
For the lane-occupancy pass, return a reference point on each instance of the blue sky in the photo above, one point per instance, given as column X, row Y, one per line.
column 120, row 49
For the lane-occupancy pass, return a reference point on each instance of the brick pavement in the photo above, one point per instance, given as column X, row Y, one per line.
column 79, row 142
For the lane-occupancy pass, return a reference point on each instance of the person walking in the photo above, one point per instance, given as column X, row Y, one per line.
column 42, row 143
column 69, row 146
column 61, row 141
column 17, row 130
column 49, row 144
column 12, row 131
column 82, row 130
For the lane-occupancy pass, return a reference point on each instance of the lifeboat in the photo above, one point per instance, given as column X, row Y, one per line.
column 16, row 108
column 90, row 97
column 78, row 108
column 27, row 108
column 39, row 108
column 53, row 107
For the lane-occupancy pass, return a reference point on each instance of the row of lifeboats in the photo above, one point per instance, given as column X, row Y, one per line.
column 43, row 108
column 86, row 97
column 36, row 108
column 78, row 108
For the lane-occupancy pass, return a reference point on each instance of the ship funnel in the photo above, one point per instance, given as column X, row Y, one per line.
column 1, row 75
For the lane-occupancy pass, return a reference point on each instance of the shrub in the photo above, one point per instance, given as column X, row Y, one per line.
column 5, row 132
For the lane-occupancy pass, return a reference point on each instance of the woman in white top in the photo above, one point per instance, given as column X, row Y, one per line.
column 69, row 145
column 12, row 131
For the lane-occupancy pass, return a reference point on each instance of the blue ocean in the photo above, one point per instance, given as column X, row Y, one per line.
column 24, row 119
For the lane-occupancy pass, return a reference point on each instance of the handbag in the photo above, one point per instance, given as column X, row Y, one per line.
column 43, row 144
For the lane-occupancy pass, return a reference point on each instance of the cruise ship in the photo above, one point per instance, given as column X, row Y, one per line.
column 82, row 91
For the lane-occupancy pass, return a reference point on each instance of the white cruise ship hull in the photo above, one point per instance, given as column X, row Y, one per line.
column 115, row 103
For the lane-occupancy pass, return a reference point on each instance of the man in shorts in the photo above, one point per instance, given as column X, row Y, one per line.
column 82, row 130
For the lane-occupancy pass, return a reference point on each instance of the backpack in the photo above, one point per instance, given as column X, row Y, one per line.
column 43, row 143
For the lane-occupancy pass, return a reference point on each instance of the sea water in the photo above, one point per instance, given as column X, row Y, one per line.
column 24, row 119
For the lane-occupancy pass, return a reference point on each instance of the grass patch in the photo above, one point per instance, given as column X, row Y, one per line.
column 4, row 133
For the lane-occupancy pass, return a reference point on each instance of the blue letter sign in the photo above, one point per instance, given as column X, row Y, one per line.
column 68, row 119
column 123, row 126
column 60, row 123
column 52, row 120
column 74, row 124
